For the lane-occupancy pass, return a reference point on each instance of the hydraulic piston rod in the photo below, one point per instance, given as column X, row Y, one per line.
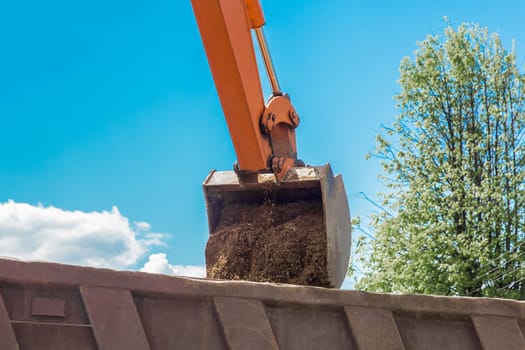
column 268, row 63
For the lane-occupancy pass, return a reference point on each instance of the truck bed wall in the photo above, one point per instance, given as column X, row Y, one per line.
column 58, row 307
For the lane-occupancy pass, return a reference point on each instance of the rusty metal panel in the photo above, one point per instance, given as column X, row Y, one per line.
column 374, row 328
column 44, row 303
column 437, row 332
column 305, row 327
column 42, row 336
column 180, row 323
column 56, row 307
column 245, row 324
column 114, row 318
column 7, row 337
column 50, row 307
column 497, row 333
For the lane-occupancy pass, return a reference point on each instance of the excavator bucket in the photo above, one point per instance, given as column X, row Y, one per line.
column 295, row 231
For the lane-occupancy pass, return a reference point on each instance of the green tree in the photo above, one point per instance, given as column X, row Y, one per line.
column 454, row 165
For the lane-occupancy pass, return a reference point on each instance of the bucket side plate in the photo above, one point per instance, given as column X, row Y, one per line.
column 306, row 185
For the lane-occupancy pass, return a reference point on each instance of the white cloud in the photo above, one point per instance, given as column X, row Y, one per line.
column 158, row 263
column 100, row 239
column 142, row 226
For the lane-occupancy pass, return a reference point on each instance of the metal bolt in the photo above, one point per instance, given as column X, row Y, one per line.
column 294, row 118
column 270, row 121
column 277, row 163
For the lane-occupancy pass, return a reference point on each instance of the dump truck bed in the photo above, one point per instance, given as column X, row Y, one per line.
column 51, row 306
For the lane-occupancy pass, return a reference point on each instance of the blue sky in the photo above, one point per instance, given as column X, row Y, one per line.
column 112, row 104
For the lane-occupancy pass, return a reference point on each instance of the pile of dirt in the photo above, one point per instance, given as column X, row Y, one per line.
column 269, row 242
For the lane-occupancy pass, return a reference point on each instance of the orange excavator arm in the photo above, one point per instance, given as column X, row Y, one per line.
column 263, row 134
column 272, row 219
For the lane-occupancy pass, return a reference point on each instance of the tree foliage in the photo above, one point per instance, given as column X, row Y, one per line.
column 454, row 166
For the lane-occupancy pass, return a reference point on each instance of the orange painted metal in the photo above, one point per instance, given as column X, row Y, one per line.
column 263, row 134
column 225, row 27
column 226, row 35
column 255, row 13
column 280, row 120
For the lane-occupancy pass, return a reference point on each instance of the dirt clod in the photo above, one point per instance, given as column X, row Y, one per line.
column 269, row 242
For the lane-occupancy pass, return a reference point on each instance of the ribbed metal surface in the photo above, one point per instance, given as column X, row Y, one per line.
column 58, row 307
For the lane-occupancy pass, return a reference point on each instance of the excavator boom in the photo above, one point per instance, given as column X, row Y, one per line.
column 272, row 218
column 226, row 35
